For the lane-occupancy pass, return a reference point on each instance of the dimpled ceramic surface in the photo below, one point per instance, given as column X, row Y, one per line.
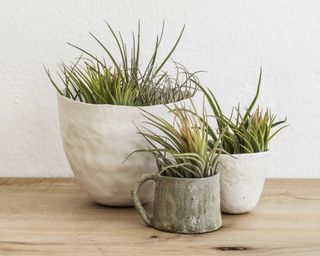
column 241, row 181
column 97, row 139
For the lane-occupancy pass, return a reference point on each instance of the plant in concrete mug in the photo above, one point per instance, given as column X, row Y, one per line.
column 180, row 148
column 187, row 195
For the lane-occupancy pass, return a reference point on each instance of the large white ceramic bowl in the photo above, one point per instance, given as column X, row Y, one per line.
column 97, row 138
column 242, row 179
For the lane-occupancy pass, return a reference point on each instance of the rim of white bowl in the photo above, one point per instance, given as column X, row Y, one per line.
column 124, row 106
column 247, row 154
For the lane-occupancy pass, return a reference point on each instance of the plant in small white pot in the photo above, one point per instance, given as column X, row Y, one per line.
column 246, row 139
column 99, row 108
column 187, row 194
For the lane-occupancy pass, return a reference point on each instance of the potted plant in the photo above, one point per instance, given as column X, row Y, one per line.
column 187, row 194
column 99, row 109
column 246, row 139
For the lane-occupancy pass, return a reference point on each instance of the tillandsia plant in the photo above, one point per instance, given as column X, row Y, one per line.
column 181, row 148
column 125, row 82
column 247, row 132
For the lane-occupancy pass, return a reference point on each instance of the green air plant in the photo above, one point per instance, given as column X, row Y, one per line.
column 180, row 148
column 246, row 132
column 125, row 82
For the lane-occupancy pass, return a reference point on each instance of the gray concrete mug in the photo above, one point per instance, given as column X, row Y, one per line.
column 182, row 205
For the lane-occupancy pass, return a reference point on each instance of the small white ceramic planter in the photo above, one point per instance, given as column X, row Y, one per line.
column 242, row 179
column 97, row 138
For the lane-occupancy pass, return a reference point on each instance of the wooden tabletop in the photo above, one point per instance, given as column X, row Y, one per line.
column 54, row 217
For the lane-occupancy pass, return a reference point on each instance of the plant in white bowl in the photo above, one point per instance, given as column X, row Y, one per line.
column 246, row 138
column 99, row 109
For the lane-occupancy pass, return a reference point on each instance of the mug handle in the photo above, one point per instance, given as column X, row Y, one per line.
column 137, row 204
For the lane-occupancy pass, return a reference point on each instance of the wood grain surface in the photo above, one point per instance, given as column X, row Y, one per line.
column 44, row 216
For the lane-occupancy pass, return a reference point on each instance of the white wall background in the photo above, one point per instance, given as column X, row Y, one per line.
column 229, row 39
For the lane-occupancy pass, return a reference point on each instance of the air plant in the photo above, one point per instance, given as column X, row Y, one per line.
column 125, row 82
column 246, row 132
column 181, row 148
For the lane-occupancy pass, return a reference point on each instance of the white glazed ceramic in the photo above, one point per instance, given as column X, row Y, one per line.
column 242, row 179
column 97, row 138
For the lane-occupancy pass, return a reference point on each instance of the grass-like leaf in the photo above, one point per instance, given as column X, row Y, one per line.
column 246, row 132
column 181, row 147
column 125, row 81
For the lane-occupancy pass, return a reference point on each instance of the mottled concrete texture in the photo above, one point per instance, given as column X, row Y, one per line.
column 228, row 39
column 183, row 205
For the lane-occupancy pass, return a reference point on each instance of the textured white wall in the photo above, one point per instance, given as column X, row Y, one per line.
column 229, row 39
